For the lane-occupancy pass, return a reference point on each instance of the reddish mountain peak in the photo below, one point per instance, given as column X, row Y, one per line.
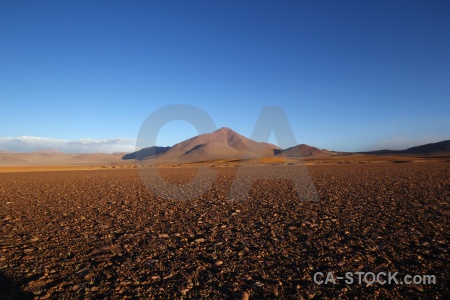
column 223, row 129
column 223, row 143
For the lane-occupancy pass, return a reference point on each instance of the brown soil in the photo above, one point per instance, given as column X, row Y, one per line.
column 101, row 234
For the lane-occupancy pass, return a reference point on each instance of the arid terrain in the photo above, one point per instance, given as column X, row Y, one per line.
column 100, row 233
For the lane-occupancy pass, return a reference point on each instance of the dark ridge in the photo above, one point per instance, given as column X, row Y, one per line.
column 277, row 151
column 427, row 149
column 380, row 152
column 443, row 146
column 145, row 152
column 194, row 148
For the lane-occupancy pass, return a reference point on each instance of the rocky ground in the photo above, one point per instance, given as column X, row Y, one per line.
column 102, row 234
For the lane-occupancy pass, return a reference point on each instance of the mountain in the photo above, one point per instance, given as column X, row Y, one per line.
column 305, row 150
column 145, row 152
column 429, row 149
column 432, row 149
column 223, row 143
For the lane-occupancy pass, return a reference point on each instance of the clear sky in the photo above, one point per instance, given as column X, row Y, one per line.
column 351, row 75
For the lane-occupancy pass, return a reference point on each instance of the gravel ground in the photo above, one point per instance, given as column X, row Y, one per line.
column 103, row 234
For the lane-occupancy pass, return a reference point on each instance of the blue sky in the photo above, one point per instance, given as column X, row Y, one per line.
column 351, row 75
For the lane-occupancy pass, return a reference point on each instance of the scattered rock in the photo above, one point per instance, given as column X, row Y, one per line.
column 102, row 233
column 75, row 288
column 245, row 295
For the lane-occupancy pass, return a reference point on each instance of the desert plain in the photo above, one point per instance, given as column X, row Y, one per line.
column 99, row 232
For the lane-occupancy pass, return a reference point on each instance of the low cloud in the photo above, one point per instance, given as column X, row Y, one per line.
column 33, row 143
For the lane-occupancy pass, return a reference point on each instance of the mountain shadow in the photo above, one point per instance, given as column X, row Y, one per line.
column 193, row 149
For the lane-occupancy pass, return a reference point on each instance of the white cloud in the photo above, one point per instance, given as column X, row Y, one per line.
column 33, row 143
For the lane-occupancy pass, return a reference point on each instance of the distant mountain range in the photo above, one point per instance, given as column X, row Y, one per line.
column 440, row 148
column 227, row 144
column 52, row 158
column 222, row 144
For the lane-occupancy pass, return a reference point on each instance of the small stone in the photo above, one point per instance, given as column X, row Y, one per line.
column 200, row 240
column 419, row 288
column 46, row 296
column 245, row 296
column 184, row 291
column 247, row 277
column 218, row 263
